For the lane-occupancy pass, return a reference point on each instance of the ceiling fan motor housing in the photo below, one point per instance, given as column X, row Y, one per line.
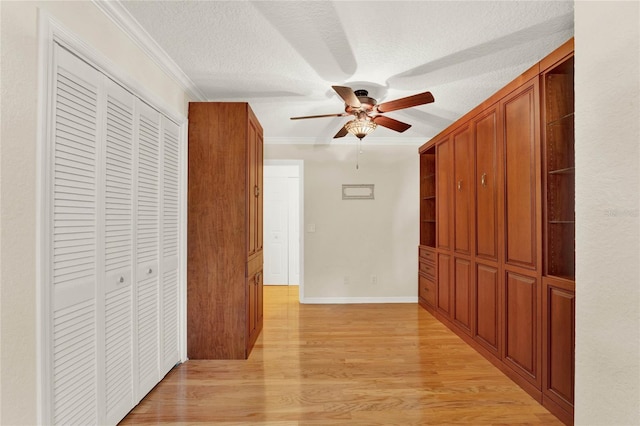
column 366, row 102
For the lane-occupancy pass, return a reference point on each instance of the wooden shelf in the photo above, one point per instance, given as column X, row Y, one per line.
column 430, row 197
column 566, row 119
column 565, row 171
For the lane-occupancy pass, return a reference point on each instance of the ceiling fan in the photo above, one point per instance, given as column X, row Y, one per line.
column 367, row 111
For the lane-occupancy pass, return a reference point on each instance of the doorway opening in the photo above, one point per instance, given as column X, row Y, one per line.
column 284, row 223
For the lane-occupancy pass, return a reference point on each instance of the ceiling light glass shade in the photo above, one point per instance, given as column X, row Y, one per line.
column 360, row 128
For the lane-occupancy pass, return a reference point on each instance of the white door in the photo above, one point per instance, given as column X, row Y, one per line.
column 294, row 230
column 276, row 205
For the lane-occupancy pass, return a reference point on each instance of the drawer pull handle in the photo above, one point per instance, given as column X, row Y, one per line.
column 256, row 191
column 460, row 185
column 483, row 180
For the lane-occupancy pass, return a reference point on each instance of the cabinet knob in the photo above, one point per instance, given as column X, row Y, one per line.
column 460, row 185
column 483, row 180
column 121, row 280
column 149, row 271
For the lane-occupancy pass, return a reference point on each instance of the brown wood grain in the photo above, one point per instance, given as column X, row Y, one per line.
column 463, row 189
column 391, row 364
column 487, row 330
column 522, row 227
column 444, row 197
column 520, row 328
column 486, row 169
column 444, row 283
column 521, row 136
column 462, row 302
column 217, row 229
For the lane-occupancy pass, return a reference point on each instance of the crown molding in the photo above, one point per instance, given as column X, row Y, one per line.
column 411, row 141
column 132, row 28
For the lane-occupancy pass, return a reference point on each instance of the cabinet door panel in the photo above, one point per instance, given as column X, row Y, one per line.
column 487, row 306
column 559, row 339
column 259, row 184
column 462, row 293
column 462, row 150
column 520, row 142
column 443, row 194
column 486, row 186
column 521, row 348
column 444, row 275
column 252, row 188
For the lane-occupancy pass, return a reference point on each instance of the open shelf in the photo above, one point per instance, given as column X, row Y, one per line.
column 559, row 177
column 428, row 198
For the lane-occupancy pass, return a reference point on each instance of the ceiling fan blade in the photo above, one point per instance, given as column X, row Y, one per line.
column 347, row 94
column 342, row 132
column 342, row 114
column 408, row 102
column 391, row 123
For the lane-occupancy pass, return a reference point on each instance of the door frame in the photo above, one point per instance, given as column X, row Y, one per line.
column 300, row 164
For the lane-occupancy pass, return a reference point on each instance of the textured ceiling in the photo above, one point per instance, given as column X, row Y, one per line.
column 283, row 57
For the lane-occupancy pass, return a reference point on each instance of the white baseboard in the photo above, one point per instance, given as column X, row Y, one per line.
column 353, row 300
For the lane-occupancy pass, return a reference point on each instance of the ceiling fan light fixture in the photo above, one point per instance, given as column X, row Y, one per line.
column 360, row 127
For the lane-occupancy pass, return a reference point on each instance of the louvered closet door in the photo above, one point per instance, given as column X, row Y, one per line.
column 73, row 239
column 118, row 254
column 147, row 245
column 170, row 243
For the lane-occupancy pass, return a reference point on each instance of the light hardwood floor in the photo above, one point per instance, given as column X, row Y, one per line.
column 343, row 364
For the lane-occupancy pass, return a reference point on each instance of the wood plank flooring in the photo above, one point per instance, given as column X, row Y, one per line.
column 343, row 364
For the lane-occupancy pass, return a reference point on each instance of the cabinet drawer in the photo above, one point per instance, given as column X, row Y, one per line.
column 427, row 255
column 427, row 290
column 428, row 269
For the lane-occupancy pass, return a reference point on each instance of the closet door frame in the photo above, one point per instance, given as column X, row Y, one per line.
column 50, row 33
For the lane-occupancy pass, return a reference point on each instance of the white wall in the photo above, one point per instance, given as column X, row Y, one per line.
column 19, row 97
column 360, row 238
column 607, row 126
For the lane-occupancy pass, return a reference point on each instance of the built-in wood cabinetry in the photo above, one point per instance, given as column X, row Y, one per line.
column 504, row 247
column 224, row 265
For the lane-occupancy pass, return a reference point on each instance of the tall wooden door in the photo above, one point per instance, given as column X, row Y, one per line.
column 443, row 193
column 522, row 175
column 487, row 184
column 463, row 191
column 522, row 290
column 253, row 190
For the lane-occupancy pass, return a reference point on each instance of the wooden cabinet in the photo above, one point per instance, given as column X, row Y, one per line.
column 505, row 230
column 224, row 265
column 558, row 176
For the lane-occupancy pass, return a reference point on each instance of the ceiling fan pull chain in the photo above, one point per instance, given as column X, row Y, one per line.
column 358, row 154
